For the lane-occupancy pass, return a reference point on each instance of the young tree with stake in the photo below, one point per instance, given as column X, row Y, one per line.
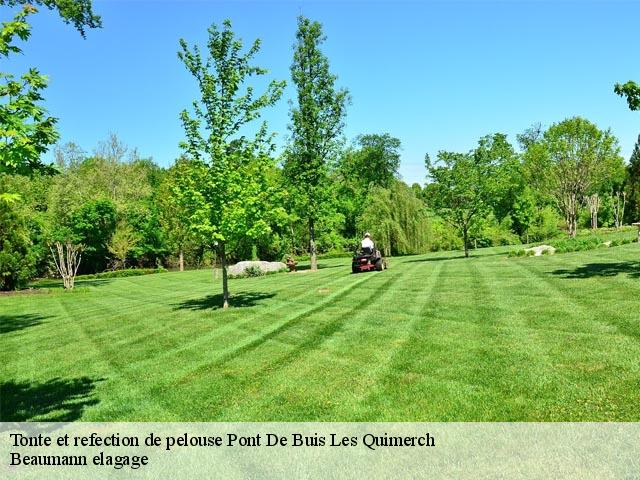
column 225, row 189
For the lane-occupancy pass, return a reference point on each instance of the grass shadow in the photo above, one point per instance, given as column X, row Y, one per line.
column 433, row 259
column 57, row 400
column 57, row 283
column 12, row 323
column 320, row 266
column 214, row 302
column 591, row 270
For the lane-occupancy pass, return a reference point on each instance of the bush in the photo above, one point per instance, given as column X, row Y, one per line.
column 577, row 244
column 129, row 272
column 444, row 236
column 546, row 225
column 253, row 271
column 494, row 234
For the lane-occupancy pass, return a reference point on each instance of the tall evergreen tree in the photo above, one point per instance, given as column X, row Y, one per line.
column 317, row 121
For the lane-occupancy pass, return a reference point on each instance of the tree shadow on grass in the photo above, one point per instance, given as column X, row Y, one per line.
column 57, row 400
column 214, row 302
column 589, row 270
column 12, row 323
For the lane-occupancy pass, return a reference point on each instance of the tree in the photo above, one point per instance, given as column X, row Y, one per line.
column 68, row 155
column 225, row 189
column 25, row 128
column 630, row 90
column 460, row 189
column 633, row 185
column 524, row 213
column 594, row 203
column 317, row 121
column 16, row 259
column 375, row 161
column 123, row 240
column 508, row 184
column 572, row 162
column 372, row 161
column 92, row 225
column 397, row 219
column 173, row 216
column 67, row 257
column 76, row 12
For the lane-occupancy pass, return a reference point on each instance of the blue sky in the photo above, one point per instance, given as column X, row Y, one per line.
column 437, row 75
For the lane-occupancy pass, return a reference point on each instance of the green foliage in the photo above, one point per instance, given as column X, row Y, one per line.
column 374, row 160
column 173, row 216
column 630, row 90
column 573, row 160
column 396, row 219
column 129, row 272
column 317, row 121
column 226, row 189
column 524, row 212
column 91, row 226
column 443, row 236
column 253, row 271
column 633, row 185
column 462, row 186
column 123, row 240
column 79, row 13
column 17, row 262
column 545, row 224
column 586, row 240
column 25, row 128
column 491, row 233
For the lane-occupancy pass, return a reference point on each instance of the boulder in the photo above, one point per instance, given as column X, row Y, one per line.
column 239, row 268
column 538, row 251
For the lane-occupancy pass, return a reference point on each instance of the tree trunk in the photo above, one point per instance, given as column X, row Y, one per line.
column 293, row 240
column 181, row 260
column 572, row 223
column 225, row 285
column 312, row 246
column 465, row 240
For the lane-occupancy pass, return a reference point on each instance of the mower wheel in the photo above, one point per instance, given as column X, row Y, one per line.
column 379, row 265
column 355, row 270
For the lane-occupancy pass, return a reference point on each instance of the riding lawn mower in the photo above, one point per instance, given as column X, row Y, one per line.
column 368, row 259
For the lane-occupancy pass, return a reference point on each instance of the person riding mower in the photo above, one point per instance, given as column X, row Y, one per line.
column 368, row 258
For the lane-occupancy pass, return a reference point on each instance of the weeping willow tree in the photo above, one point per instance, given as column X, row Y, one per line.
column 396, row 219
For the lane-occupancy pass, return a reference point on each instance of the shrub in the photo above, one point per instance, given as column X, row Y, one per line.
column 546, row 225
column 129, row 272
column 253, row 271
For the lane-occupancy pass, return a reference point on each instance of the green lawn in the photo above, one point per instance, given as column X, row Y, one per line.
column 434, row 338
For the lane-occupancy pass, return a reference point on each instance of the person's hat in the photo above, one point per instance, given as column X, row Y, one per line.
column 367, row 234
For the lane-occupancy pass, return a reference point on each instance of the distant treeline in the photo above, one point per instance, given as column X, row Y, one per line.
column 119, row 207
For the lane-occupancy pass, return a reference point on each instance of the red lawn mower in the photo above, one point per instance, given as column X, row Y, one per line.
column 368, row 259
